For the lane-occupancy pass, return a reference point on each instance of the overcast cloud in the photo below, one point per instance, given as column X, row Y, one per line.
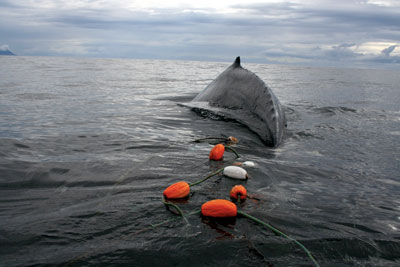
column 328, row 33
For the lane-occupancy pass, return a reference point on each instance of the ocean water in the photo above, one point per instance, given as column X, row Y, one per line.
column 87, row 147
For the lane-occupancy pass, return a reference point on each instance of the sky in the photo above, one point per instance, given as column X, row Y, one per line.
column 343, row 33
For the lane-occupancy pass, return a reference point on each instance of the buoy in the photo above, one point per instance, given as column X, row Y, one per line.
column 235, row 172
column 217, row 152
column 177, row 190
column 244, row 164
column 238, row 191
column 230, row 140
column 233, row 140
column 219, row 208
column 248, row 164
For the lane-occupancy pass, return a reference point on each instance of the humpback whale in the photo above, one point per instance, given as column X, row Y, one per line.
column 240, row 95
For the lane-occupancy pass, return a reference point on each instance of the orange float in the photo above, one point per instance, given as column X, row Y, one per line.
column 177, row 190
column 219, row 208
column 238, row 191
column 217, row 152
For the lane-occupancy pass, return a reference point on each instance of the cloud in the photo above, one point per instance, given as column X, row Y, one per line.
column 4, row 48
column 278, row 31
column 346, row 45
column 385, row 56
column 389, row 50
column 342, row 52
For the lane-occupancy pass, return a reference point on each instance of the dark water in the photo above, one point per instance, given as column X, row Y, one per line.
column 88, row 145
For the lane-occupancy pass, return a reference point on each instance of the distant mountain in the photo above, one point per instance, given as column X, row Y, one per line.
column 6, row 53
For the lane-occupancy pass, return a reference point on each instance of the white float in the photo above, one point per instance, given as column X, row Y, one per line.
column 235, row 172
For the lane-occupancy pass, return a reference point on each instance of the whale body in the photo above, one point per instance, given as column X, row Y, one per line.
column 240, row 95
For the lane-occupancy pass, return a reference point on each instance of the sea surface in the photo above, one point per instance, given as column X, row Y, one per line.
column 87, row 147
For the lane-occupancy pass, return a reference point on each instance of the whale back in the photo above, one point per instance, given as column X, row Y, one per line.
column 239, row 94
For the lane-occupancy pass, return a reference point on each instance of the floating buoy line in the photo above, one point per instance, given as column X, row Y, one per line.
column 217, row 208
column 220, row 208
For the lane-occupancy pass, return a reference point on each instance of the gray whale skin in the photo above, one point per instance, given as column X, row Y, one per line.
column 240, row 95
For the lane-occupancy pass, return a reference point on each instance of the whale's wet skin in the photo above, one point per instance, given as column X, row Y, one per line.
column 87, row 147
column 240, row 95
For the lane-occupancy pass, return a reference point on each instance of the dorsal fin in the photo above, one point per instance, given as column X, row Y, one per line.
column 237, row 62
